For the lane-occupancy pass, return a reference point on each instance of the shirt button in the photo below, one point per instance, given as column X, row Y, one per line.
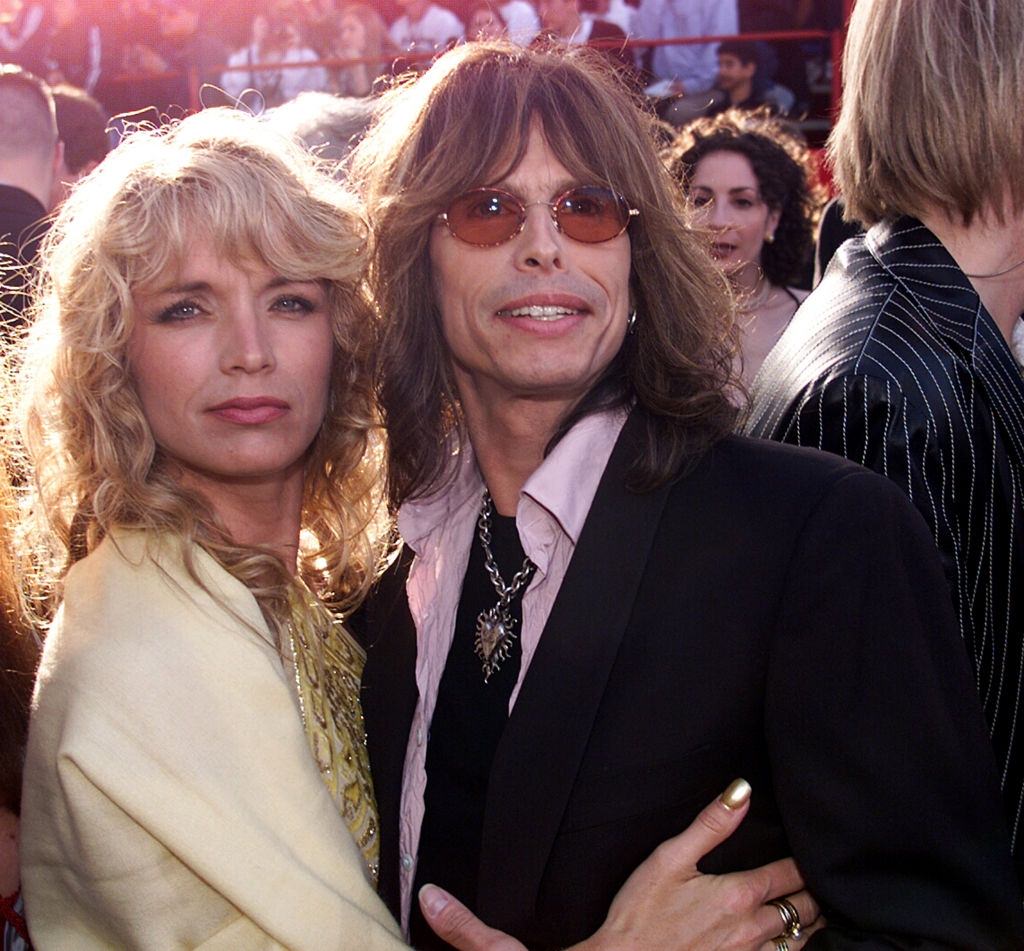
column 407, row 862
column 419, row 736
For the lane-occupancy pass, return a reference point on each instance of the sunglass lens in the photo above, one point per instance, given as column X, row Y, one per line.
column 592, row 214
column 484, row 217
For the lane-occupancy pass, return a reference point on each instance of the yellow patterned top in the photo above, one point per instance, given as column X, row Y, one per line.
column 328, row 666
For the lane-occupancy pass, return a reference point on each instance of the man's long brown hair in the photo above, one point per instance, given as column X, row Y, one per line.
column 466, row 123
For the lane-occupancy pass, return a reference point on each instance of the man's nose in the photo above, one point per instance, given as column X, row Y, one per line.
column 540, row 244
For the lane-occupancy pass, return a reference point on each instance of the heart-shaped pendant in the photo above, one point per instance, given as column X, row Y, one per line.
column 494, row 636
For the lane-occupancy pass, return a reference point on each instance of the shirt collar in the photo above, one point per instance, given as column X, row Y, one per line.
column 566, row 482
column 563, row 485
column 1017, row 341
column 421, row 517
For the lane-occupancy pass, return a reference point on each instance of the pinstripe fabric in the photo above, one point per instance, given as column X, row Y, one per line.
column 894, row 363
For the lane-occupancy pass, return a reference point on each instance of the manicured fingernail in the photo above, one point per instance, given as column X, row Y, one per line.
column 433, row 900
column 737, row 793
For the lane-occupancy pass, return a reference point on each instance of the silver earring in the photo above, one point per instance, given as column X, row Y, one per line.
column 770, row 237
column 631, row 322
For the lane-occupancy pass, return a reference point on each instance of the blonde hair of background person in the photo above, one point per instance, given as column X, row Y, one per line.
column 171, row 796
column 907, row 357
column 953, row 135
column 329, row 125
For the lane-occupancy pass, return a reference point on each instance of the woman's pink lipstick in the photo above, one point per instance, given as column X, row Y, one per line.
column 250, row 410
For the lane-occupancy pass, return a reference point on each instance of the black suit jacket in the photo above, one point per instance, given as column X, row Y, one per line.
column 775, row 614
column 894, row 362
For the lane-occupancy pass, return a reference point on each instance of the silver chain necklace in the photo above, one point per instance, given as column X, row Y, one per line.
column 1005, row 270
column 495, row 628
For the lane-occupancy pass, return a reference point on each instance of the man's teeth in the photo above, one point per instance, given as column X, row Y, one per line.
column 539, row 313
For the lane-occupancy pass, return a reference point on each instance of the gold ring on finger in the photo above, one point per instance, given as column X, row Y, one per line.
column 791, row 926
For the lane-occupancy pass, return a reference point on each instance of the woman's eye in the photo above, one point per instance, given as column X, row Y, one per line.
column 744, row 203
column 179, row 311
column 699, row 201
column 294, row 304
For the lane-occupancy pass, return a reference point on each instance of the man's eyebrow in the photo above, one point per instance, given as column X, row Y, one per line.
column 562, row 185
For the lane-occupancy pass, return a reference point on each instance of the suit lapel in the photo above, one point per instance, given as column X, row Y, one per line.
column 916, row 258
column 1001, row 378
column 389, row 701
column 543, row 744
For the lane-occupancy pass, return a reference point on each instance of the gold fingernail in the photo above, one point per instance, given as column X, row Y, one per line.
column 737, row 793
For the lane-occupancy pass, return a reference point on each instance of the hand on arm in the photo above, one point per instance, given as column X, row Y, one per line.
column 667, row 903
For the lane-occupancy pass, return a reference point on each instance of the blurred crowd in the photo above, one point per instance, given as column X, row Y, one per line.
column 138, row 54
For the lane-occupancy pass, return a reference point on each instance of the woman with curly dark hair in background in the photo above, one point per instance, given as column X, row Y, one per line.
column 751, row 182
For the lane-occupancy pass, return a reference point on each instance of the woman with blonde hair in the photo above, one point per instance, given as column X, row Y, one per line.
column 205, row 459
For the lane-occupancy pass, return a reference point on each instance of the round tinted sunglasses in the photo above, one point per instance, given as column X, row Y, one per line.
column 487, row 217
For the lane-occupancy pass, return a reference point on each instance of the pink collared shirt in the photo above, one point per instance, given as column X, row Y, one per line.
column 553, row 505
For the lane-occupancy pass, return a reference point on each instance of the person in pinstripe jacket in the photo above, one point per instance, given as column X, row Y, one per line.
column 903, row 358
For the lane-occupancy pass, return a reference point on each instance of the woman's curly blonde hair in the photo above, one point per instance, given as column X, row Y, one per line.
column 92, row 463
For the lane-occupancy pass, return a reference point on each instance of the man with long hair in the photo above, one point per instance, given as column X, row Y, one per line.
column 608, row 607
column 907, row 358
